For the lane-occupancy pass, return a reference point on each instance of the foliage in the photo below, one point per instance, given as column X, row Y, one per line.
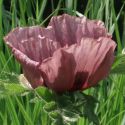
column 61, row 108
column 68, row 107
column 19, row 106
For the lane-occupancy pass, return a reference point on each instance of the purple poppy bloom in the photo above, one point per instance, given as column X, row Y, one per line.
column 72, row 53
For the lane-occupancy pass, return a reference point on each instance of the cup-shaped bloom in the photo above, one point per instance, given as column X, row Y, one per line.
column 71, row 53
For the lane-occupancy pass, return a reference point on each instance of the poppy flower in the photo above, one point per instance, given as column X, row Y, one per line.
column 71, row 53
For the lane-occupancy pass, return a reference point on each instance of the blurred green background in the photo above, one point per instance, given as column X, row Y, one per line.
column 18, row 110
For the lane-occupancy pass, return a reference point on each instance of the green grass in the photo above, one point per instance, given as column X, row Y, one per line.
column 18, row 110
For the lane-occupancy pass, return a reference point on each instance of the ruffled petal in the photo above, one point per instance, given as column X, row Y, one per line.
column 102, row 71
column 35, row 42
column 70, row 29
column 93, row 60
column 30, row 68
column 72, row 53
column 59, row 71
column 30, row 48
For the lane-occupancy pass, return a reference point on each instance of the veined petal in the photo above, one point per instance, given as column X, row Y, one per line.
column 30, row 48
column 30, row 68
column 102, row 70
column 59, row 71
column 35, row 42
column 70, row 29
column 93, row 58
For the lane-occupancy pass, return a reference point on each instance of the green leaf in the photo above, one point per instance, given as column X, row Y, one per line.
column 50, row 106
column 10, row 89
column 9, row 77
column 60, row 122
column 92, row 117
column 35, row 100
column 88, row 109
column 60, row 100
column 45, row 93
column 70, row 116
column 55, row 115
column 69, row 106
column 9, row 84
column 83, row 106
